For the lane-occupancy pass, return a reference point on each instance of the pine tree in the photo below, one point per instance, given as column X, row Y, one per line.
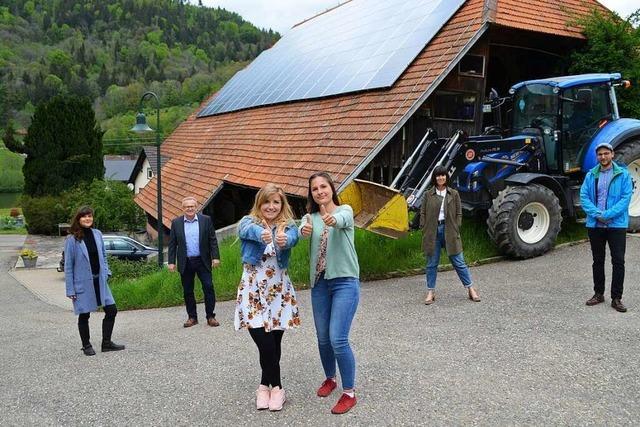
column 9, row 139
column 63, row 146
column 103, row 79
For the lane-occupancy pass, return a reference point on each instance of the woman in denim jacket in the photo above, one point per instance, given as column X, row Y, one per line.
column 266, row 304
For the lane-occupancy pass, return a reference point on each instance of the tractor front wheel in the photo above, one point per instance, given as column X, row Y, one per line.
column 629, row 154
column 524, row 221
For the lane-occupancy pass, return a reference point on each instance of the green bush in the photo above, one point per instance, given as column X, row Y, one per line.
column 122, row 269
column 43, row 214
column 7, row 223
column 112, row 202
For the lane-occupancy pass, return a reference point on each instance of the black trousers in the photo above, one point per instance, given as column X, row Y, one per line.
column 108, row 322
column 192, row 267
column 616, row 238
column 269, row 347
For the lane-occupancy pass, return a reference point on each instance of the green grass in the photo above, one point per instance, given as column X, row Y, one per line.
column 21, row 231
column 11, row 179
column 379, row 257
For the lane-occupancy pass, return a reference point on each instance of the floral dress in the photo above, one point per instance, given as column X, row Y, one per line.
column 266, row 298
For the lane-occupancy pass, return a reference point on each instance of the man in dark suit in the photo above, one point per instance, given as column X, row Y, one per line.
column 193, row 240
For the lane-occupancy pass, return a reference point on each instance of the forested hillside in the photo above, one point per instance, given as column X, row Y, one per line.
column 114, row 50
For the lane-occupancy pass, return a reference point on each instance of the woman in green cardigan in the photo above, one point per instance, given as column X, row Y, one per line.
column 335, row 284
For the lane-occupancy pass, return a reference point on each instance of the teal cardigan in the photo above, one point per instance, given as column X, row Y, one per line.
column 342, row 260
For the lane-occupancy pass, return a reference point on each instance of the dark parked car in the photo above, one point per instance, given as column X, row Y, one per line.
column 127, row 248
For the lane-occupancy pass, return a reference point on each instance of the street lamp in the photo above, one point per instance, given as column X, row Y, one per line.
column 142, row 127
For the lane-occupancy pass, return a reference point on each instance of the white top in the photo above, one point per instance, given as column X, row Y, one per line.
column 443, row 194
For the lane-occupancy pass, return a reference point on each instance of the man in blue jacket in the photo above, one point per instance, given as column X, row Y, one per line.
column 605, row 195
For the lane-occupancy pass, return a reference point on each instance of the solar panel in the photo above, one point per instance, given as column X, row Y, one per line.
column 360, row 45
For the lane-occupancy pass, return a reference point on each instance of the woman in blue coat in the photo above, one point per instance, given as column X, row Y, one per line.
column 86, row 272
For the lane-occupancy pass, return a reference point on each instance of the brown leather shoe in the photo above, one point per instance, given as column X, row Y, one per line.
column 211, row 321
column 191, row 322
column 595, row 299
column 617, row 304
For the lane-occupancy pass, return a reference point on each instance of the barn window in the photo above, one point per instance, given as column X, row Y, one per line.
column 471, row 65
column 455, row 106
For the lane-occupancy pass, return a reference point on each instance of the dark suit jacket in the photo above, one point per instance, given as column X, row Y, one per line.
column 178, row 243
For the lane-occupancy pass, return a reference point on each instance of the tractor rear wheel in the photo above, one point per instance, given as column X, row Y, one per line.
column 629, row 154
column 524, row 221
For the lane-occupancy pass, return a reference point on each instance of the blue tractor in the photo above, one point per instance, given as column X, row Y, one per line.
column 524, row 182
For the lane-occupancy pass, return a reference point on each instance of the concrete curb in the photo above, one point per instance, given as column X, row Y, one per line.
column 40, row 284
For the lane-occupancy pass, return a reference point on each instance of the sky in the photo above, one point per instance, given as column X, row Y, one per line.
column 281, row 15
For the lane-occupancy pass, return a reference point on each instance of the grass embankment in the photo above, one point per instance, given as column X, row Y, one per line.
column 11, row 179
column 379, row 257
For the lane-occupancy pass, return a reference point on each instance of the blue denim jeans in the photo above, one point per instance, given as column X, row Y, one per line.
column 334, row 305
column 457, row 260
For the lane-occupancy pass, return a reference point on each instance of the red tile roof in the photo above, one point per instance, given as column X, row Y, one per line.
column 283, row 143
column 545, row 16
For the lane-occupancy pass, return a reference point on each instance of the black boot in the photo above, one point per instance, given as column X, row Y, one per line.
column 111, row 346
column 107, row 328
column 88, row 350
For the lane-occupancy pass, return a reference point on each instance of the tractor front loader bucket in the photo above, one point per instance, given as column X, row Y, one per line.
column 377, row 208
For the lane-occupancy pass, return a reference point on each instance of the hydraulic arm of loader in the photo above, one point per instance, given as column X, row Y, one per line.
column 385, row 210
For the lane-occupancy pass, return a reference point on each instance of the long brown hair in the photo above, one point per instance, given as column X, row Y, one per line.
column 312, row 206
column 76, row 229
column 285, row 216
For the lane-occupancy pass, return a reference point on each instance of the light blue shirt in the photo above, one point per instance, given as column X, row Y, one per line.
column 192, row 236
column 604, row 179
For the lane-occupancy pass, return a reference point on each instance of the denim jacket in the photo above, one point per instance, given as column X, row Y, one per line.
column 252, row 246
column 618, row 197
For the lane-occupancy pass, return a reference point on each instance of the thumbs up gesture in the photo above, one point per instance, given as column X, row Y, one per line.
column 327, row 218
column 307, row 228
column 266, row 235
column 281, row 236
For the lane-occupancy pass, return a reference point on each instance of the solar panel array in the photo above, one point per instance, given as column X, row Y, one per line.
column 360, row 45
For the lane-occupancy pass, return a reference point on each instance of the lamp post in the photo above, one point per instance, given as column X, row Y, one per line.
column 142, row 127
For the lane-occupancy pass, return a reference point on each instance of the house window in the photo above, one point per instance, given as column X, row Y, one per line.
column 149, row 173
column 471, row 65
column 455, row 106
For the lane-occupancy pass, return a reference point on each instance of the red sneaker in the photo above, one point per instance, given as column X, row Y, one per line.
column 327, row 387
column 345, row 403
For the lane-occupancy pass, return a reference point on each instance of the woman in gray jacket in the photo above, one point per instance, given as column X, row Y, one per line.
column 440, row 220
column 86, row 272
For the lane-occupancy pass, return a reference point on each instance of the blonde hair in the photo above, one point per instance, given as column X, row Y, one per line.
column 285, row 216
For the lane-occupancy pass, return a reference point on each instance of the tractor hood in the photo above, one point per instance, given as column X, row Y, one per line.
column 615, row 133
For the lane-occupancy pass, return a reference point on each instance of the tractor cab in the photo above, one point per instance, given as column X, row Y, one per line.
column 566, row 112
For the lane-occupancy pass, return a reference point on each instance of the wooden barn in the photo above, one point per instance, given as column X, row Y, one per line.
column 353, row 90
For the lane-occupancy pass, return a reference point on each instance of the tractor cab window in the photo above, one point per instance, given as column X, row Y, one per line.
column 583, row 108
column 535, row 107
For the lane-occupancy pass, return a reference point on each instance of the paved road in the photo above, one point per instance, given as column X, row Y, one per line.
column 529, row 353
